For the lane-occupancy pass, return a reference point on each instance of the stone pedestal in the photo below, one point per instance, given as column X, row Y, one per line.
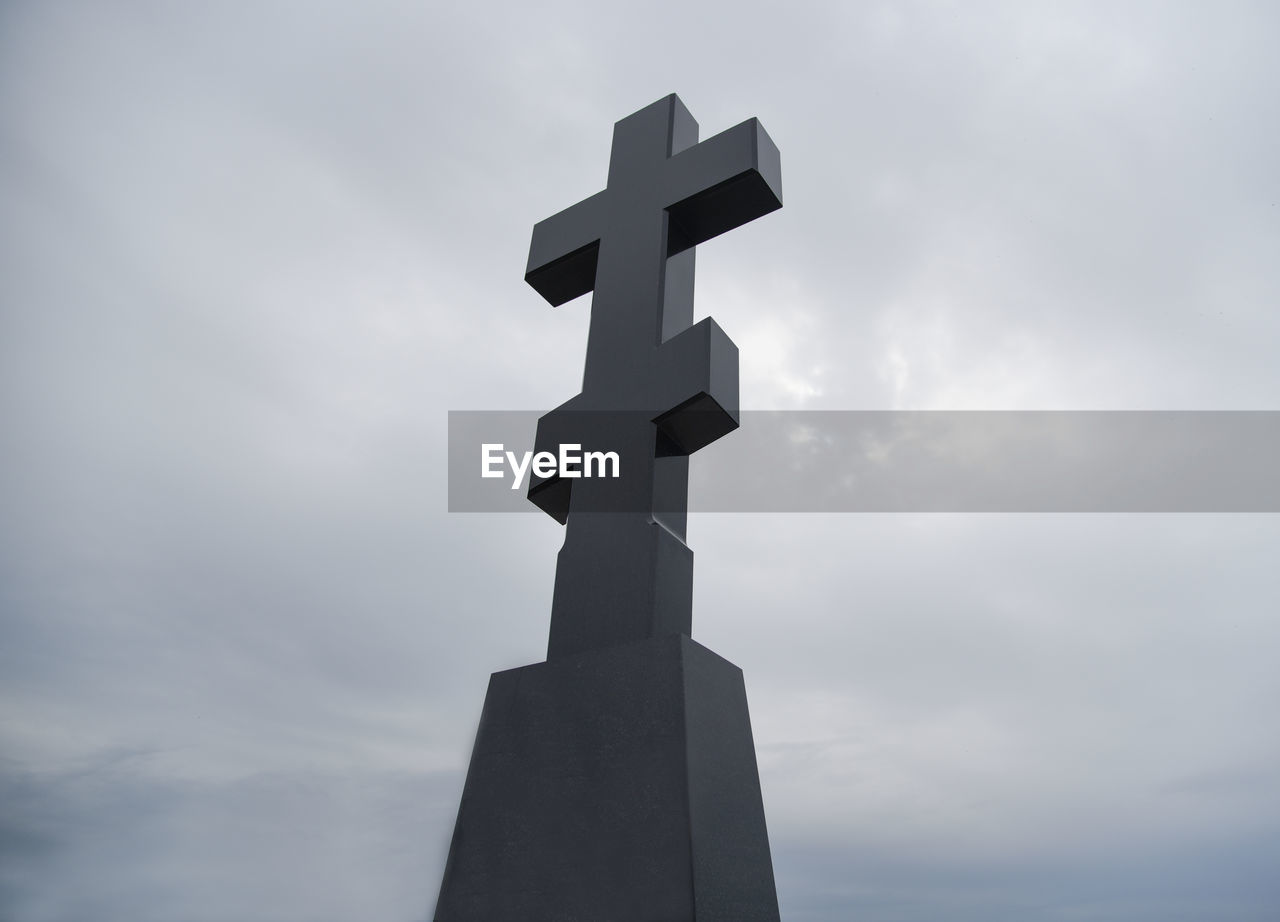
column 615, row 785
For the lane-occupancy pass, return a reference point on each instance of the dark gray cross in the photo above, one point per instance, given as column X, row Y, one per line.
column 656, row 387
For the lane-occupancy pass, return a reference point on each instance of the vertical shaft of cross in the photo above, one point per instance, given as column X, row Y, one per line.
column 626, row 575
column 633, row 309
column 655, row 387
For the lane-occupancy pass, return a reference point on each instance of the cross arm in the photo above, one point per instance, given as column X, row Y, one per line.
column 696, row 376
column 563, row 251
column 722, row 183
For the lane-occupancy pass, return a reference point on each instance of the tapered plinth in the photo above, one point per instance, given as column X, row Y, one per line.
column 616, row 785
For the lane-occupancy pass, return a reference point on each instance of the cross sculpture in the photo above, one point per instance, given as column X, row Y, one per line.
column 657, row 387
column 617, row 780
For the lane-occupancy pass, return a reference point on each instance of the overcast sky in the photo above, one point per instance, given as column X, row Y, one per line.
column 252, row 253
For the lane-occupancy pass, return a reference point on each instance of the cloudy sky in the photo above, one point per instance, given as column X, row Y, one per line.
column 252, row 253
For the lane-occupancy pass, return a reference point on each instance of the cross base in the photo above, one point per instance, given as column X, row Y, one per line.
column 618, row 784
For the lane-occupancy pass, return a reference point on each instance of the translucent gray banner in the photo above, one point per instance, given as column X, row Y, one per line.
column 897, row 461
